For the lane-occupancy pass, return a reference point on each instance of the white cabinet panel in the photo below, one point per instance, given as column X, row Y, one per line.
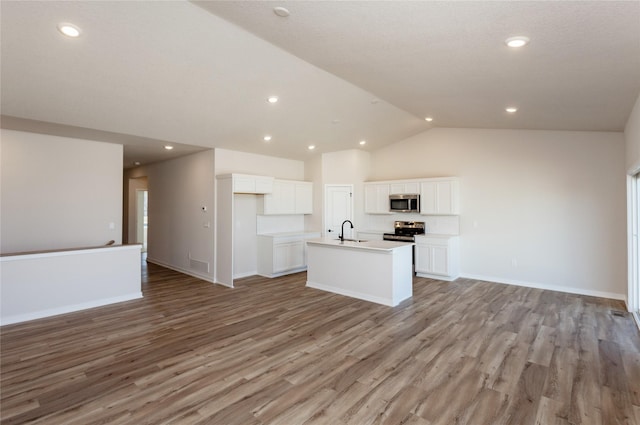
column 422, row 258
column 404, row 188
column 376, row 198
column 283, row 254
column 440, row 260
column 288, row 256
column 437, row 257
column 264, row 184
column 243, row 183
column 439, row 196
column 289, row 197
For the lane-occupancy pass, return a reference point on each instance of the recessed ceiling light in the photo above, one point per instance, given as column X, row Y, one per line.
column 266, row 138
column 136, row 163
column 374, row 101
column 511, row 109
column 281, row 11
column 335, row 121
column 311, row 147
column 272, row 99
column 168, row 147
column 363, row 142
column 517, row 41
column 69, row 30
column 428, row 119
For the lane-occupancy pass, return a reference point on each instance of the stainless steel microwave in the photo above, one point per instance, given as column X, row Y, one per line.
column 405, row 203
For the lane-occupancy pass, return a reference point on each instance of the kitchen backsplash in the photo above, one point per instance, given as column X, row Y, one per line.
column 440, row 224
column 279, row 223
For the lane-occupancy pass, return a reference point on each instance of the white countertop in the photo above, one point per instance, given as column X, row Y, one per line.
column 365, row 245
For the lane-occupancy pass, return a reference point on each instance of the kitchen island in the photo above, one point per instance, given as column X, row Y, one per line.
column 376, row 271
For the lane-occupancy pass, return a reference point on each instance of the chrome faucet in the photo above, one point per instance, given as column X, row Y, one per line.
column 342, row 228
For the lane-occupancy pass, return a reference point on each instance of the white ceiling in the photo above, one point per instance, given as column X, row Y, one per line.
column 151, row 73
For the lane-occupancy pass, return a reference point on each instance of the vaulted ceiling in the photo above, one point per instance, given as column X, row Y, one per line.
column 198, row 74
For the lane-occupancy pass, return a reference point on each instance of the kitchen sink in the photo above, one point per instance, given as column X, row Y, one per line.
column 352, row 240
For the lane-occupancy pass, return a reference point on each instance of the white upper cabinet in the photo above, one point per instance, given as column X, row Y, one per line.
column 404, row 188
column 289, row 197
column 440, row 196
column 376, row 198
column 304, row 198
column 244, row 183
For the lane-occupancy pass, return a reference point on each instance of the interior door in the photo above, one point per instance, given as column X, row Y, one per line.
column 338, row 208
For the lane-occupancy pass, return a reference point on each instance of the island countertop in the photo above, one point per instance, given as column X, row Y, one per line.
column 373, row 245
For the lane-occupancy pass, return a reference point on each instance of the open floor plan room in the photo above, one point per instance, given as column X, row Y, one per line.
column 272, row 351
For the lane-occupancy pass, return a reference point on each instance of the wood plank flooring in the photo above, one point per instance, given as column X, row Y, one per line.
column 274, row 352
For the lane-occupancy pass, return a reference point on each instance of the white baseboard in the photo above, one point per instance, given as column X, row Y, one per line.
column 567, row 289
column 291, row 271
column 437, row 277
column 68, row 309
column 245, row 274
column 181, row 270
column 352, row 294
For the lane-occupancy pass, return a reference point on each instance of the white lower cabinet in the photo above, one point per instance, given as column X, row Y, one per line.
column 288, row 256
column 437, row 257
column 283, row 253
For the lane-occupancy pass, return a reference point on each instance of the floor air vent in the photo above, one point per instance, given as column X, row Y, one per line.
column 619, row 313
column 201, row 266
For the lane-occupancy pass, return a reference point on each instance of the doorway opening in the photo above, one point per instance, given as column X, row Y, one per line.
column 633, row 229
column 142, row 218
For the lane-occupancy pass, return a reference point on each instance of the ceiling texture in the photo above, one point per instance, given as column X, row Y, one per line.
column 198, row 74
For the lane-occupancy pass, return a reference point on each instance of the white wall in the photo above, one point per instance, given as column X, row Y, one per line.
column 552, row 203
column 47, row 284
column 228, row 161
column 178, row 189
column 313, row 173
column 348, row 167
column 632, row 138
column 245, row 244
column 58, row 192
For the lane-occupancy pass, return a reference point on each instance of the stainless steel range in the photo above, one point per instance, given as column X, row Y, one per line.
column 405, row 231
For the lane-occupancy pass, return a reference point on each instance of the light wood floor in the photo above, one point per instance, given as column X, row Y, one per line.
column 274, row 352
